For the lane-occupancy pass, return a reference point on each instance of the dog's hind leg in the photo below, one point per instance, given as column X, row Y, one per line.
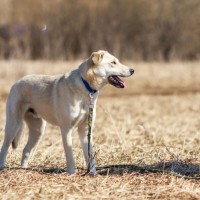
column 36, row 127
column 13, row 130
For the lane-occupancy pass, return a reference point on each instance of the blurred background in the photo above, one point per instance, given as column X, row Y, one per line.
column 156, row 30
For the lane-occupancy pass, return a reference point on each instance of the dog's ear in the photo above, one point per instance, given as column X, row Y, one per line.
column 97, row 57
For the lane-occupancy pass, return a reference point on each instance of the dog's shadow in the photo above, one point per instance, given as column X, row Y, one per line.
column 173, row 167
column 177, row 168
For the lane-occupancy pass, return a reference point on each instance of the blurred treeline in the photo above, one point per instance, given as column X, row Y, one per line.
column 68, row 29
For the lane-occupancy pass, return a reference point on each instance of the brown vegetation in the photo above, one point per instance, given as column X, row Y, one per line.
column 149, row 131
column 139, row 29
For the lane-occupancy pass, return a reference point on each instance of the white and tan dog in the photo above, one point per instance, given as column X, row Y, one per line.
column 60, row 100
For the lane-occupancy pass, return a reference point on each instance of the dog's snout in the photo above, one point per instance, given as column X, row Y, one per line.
column 131, row 71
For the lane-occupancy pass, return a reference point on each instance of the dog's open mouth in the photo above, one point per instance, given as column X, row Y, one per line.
column 116, row 81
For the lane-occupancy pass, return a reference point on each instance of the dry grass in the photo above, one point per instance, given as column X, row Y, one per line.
column 150, row 131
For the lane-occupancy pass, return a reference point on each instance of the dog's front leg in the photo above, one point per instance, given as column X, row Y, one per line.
column 83, row 132
column 67, row 143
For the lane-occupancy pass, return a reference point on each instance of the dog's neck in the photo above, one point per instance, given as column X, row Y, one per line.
column 88, row 87
column 87, row 73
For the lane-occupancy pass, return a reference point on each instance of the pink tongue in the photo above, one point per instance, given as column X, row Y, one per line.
column 122, row 84
column 120, row 81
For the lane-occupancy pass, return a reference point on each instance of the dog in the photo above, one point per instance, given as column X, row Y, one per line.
column 62, row 100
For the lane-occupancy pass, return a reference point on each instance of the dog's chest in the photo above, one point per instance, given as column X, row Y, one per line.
column 79, row 112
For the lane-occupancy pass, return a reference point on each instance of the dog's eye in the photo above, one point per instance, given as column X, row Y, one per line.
column 114, row 62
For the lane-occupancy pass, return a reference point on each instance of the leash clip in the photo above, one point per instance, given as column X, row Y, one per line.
column 91, row 95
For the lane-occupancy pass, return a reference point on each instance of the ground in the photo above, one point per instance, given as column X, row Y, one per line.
column 150, row 131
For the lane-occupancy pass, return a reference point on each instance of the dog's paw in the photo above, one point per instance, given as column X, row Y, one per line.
column 93, row 173
column 24, row 166
column 70, row 171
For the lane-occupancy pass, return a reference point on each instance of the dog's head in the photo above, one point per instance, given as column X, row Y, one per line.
column 104, row 68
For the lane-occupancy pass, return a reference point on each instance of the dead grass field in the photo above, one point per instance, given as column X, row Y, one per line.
column 150, row 131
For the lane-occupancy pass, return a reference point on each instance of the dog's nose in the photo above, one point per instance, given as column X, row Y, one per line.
column 131, row 71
